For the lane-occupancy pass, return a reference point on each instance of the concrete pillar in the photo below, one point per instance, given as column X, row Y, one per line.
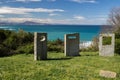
column 40, row 46
column 106, row 50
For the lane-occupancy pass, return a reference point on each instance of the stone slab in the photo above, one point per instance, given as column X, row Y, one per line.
column 71, row 44
column 40, row 46
column 106, row 50
column 107, row 74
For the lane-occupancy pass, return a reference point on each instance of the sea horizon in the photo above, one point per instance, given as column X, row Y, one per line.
column 87, row 32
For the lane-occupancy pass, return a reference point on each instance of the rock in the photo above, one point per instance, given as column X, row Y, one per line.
column 107, row 74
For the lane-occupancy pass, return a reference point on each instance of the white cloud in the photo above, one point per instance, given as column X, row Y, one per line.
column 79, row 17
column 57, row 21
column 53, row 14
column 11, row 10
column 75, row 20
column 99, row 19
column 84, row 1
column 19, row 20
column 38, row 20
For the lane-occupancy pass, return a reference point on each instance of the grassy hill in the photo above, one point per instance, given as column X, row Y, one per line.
column 58, row 67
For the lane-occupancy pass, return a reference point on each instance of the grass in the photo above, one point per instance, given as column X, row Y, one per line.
column 58, row 67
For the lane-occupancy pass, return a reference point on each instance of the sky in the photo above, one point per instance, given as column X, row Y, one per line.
column 83, row 12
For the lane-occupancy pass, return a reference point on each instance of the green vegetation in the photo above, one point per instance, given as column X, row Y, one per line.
column 56, row 46
column 106, row 40
column 12, row 42
column 58, row 67
column 117, row 43
column 21, row 42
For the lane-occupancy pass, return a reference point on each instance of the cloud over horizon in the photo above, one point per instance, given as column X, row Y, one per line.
column 79, row 21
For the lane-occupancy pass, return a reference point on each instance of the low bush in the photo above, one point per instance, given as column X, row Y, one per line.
column 11, row 41
column 117, row 43
column 26, row 49
column 4, row 51
column 117, row 46
column 56, row 45
column 106, row 40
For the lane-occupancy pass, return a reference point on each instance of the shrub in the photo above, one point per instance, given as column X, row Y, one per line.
column 94, row 46
column 117, row 46
column 24, row 37
column 117, row 43
column 27, row 49
column 2, row 36
column 11, row 40
column 56, row 45
column 5, row 51
column 106, row 40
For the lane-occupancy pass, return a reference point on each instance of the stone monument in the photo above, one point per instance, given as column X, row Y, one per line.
column 106, row 50
column 40, row 46
column 71, row 44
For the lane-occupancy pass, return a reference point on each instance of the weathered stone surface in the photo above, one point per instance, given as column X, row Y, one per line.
column 107, row 74
column 40, row 46
column 71, row 44
column 106, row 50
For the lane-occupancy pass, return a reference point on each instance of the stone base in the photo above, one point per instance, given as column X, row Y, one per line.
column 107, row 74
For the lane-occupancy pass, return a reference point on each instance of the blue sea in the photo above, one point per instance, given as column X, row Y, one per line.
column 87, row 32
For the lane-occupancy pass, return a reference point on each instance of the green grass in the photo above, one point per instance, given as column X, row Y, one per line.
column 58, row 67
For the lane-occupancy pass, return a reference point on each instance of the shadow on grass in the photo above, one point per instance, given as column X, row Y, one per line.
column 89, row 55
column 59, row 58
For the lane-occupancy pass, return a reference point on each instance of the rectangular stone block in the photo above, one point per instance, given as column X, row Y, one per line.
column 40, row 46
column 106, row 50
column 107, row 74
column 71, row 44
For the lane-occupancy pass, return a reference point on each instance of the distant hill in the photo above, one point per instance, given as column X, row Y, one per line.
column 23, row 23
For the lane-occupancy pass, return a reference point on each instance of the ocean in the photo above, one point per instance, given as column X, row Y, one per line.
column 87, row 32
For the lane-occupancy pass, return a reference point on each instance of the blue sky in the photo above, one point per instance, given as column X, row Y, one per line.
column 57, row 11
